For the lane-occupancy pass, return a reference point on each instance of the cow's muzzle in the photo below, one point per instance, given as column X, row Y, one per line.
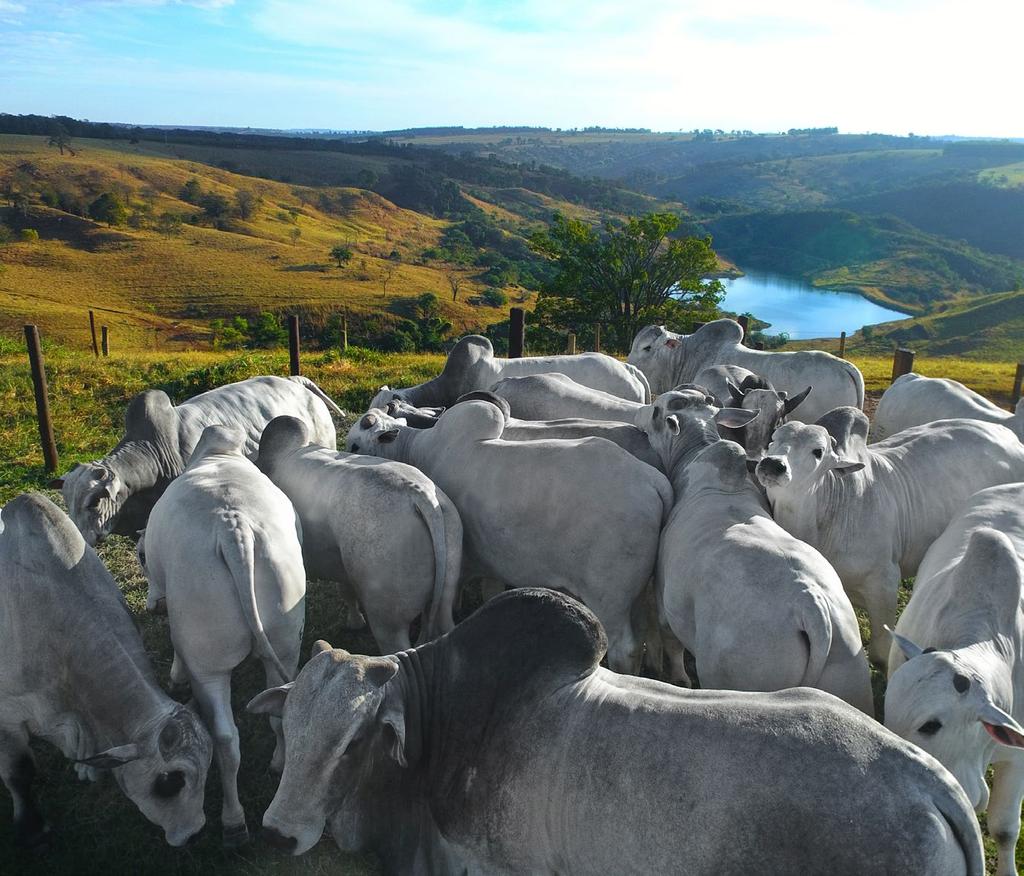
column 772, row 469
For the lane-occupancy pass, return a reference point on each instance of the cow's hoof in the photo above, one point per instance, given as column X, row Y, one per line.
column 32, row 833
column 235, row 836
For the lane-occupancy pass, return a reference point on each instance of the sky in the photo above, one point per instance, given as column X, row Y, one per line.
column 892, row 66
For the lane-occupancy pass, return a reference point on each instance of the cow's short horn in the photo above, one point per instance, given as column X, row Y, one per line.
column 368, row 421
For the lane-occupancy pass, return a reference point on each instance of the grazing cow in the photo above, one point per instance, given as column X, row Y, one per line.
column 758, row 609
column 669, row 359
column 874, row 510
column 222, row 547
column 582, row 516
column 472, row 365
column 913, row 400
column 117, row 492
column 732, row 386
column 354, row 510
column 626, row 435
column 73, row 671
column 956, row 676
column 556, row 396
column 504, row 747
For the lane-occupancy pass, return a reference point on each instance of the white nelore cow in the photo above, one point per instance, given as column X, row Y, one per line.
column 116, row 493
column 874, row 512
column 528, row 507
column 669, row 360
column 382, row 530
column 913, row 400
column 74, row 672
column 472, row 366
column 222, row 547
column 556, row 396
column 956, row 669
column 758, row 609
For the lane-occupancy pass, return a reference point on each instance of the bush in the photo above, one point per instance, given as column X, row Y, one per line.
column 29, row 235
column 191, row 192
column 494, row 297
column 108, row 208
column 6, row 235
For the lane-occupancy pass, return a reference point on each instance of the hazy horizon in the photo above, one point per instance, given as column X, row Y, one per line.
column 891, row 67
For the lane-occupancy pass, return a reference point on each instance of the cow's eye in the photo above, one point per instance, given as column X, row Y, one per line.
column 168, row 785
column 930, row 728
column 817, row 453
column 645, row 349
column 355, row 447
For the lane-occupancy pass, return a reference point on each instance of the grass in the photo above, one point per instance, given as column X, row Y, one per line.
column 97, row 830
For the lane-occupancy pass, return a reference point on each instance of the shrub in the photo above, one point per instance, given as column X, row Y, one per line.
column 29, row 235
column 494, row 297
column 6, row 235
column 108, row 208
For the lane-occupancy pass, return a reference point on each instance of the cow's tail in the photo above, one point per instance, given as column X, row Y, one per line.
column 317, row 391
column 237, row 547
column 642, row 379
column 816, row 624
column 949, row 799
column 445, row 528
column 858, row 381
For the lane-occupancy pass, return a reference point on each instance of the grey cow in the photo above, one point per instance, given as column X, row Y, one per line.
column 556, row 396
column 222, row 547
column 956, row 669
column 757, row 608
column 472, row 365
column 381, row 529
column 874, row 510
column 73, row 671
column 117, row 492
column 626, row 435
column 582, row 516
column 669, row 359
column 504, row 747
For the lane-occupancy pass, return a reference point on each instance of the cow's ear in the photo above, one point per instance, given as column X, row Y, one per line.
column 734, row 418
column 56, row 484
column 392, row 720
column 1001, row 726
column 270, row 702
column 388, row 437
column 910, row 649
column 735, row 392
column 672, row 424
column 847, row 466
column 113, row 757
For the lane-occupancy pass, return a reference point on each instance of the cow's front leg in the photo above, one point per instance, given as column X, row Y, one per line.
column 17, row 770
column 1004, row 811
column 213, row 694
column 879, row 591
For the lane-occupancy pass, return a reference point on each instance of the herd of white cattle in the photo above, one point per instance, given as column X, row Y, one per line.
column 710, row 511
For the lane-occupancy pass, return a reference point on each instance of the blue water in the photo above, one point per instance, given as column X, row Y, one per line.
column 799, row 309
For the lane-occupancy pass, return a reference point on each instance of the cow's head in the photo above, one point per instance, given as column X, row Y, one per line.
column 384, row 395
column 374, row 434
column 754, row 394
column 281, row 436
column 341, row 716
column 687, row 416
column 94, row 495
column 947, row 708
column 655, row 351
column 163, row 772
column 418, row 418
column 799, row 455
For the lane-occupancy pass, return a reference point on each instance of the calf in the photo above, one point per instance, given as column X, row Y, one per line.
column 74, row 672
column 222, row 547
column 556, row 396
column 956, row 676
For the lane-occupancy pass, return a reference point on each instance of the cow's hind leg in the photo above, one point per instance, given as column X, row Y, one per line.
column 17, row 769
column 213, row 694
column 288, row 653
column 1004, row 811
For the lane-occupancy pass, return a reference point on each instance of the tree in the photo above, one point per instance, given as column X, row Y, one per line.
column 625, row 277
column 215, row 207
column 454, row 283
column 169, row 223
column 246, row 203
column 191, row 192
column 385, row 277
column 60, row 138
column 342, row 254
column 108, row 208
column 295, row 234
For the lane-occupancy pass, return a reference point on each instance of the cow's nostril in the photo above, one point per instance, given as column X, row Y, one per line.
column 279, row 840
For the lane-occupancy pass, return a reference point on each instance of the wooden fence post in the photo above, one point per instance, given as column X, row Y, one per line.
column 105, row 340
column 902, row 362
column 1018, row 378
column 597, row 337
column 344, row 332
column 744, row 322
column 516, row 332
column 572, row 343
column 92, row 331
column 293, row 345
column 842, row 345
column 35, row 359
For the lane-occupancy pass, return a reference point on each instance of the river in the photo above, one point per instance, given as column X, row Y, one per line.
column 799, row 309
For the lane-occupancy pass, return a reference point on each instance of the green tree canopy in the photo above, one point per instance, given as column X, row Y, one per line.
column 108, row 208
column 625, row 277
column 341, row 254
